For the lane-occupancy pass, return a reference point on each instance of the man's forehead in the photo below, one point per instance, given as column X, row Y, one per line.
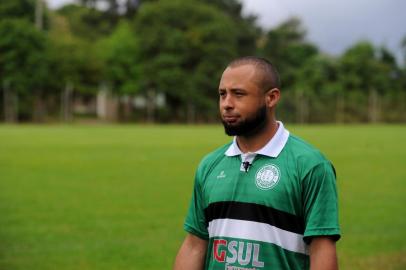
column 247, row 69
column 239, row 74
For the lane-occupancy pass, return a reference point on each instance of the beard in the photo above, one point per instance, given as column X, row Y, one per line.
column 249, row 126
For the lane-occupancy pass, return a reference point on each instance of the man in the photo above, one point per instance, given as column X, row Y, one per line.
column 267, row 200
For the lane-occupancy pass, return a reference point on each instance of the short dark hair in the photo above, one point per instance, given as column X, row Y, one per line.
column 270, row 76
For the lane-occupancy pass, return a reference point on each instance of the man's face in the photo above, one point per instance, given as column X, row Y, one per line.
column 242, row 103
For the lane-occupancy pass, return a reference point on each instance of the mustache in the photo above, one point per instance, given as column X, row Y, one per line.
column 230, row 115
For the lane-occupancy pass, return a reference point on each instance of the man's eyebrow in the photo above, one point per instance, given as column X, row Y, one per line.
column 237, row 89
column 233, row 89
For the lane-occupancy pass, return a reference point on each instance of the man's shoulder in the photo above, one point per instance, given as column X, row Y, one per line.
column 303, row 150
column 210, row 160
column 215, row 155
column 306, row 156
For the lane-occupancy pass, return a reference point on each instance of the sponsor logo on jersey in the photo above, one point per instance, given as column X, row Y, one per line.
column 244, row 254
column 267, row 176
column 222, row 174
column 231, row 267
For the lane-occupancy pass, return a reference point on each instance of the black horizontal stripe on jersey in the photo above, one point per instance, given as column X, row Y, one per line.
column 254, row 212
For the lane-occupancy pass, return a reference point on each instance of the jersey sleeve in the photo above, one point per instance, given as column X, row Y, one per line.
column 320, row 202
column 195, row 222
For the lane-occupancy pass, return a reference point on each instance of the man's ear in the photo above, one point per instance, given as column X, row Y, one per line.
column 272, row 97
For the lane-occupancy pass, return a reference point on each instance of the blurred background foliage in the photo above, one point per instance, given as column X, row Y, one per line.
column 160, row 61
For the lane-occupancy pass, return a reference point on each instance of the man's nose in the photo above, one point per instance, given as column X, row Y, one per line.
column 227, row 102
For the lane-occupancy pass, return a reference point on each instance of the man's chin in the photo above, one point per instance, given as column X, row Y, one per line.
column 230, row 132
column 232, row 129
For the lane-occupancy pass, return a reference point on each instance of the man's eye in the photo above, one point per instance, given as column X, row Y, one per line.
column 222, row 94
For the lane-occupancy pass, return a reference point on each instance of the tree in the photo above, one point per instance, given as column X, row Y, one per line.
column 33, row 11
column 64, row 60
column 247, row 32
column 286, row 47
column 356, row 72
column 120, row 54
column 402, row 91
column 367, row 75
column 319, row 86
column 184, row 45
column 393, row 79
column 403, row 46
column 18, row 9
column 123, row 8
column 23, row 65
column 87, row 23
column 75, row 65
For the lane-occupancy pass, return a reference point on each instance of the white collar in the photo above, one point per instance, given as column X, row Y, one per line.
column 271, row 149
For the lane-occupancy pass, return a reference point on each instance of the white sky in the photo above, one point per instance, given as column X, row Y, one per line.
column 333, row 25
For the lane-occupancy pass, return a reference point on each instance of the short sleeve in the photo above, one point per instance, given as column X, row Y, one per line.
column 320, row 202
column 195, row 222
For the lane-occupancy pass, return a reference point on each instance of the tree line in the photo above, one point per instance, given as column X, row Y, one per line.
column 143, row 51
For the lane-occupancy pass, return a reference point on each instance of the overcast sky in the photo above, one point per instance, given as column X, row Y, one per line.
column 333, row 25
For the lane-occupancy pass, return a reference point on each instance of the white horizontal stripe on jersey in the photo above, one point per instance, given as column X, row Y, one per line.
column 251, row 230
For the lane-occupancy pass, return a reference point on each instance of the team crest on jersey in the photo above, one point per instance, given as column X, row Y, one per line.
column 267, row 176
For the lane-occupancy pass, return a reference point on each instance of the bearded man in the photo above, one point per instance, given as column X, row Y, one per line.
column 267, row 200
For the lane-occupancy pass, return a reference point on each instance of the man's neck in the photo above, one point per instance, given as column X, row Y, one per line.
column 255, row 142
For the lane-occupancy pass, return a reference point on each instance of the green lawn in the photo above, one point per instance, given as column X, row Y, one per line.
column 114, row 197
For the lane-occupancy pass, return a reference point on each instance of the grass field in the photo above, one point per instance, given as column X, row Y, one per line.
column 114, row 197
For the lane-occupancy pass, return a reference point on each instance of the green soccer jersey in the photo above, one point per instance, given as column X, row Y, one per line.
column 258, row 210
